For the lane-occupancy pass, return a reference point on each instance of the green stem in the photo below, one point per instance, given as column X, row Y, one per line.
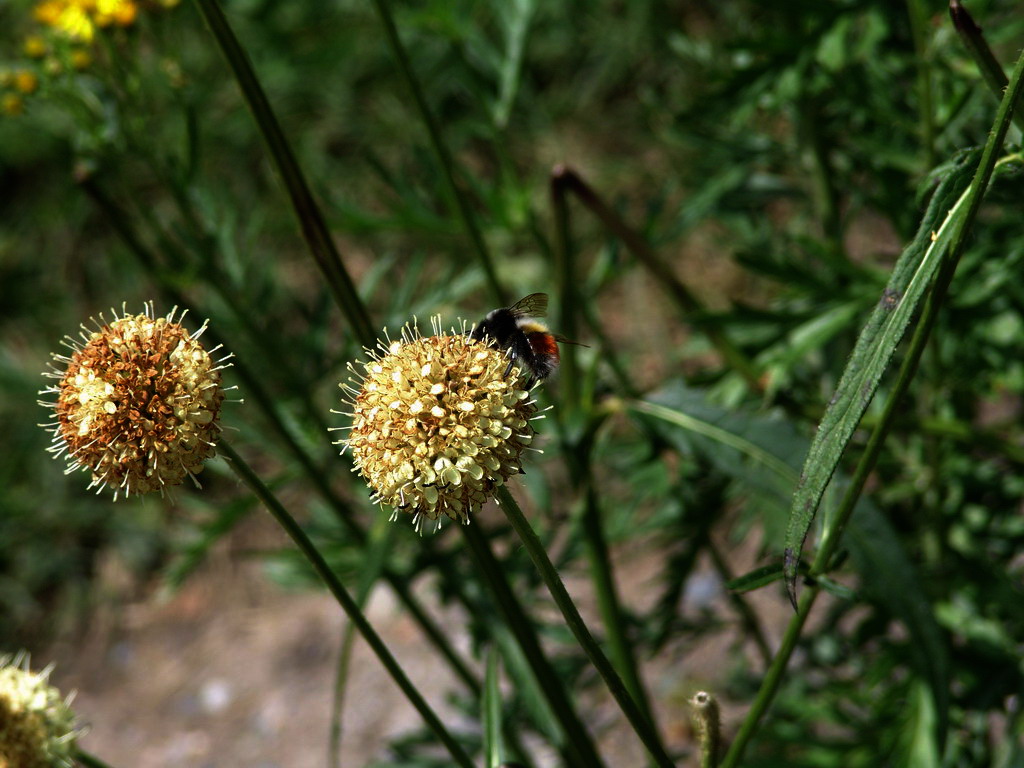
column 922, row 331
column 578, row 742
column 88, row 760
column 177, row 253
column 825, row 195
column 641, row 725
column 619, row 646
column 642, row 252
column 568, row 388
column 974, row 41
column 772, row 679
column 444, row 157
column 348, row 604
column 311, row 220
column 918, row 30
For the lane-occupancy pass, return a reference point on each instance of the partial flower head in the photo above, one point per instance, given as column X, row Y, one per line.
column 78, row 19
column 37, row 726
column 137, row 403
column 437, row 424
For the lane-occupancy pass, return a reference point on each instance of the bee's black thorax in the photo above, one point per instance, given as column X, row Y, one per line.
column 499, row 326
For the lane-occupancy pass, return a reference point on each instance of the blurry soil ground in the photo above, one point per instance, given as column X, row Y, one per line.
column 234, row 671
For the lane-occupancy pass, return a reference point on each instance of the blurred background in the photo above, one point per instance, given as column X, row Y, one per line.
column 775, row 157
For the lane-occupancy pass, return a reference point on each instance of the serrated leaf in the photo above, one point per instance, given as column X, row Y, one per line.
column 873, row 352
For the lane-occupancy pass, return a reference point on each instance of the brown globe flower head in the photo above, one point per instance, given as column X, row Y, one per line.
column 37, row 726
column 437, row 424
column 138, row 402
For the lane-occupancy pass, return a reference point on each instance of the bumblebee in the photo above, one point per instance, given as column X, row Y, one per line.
column 527, row 341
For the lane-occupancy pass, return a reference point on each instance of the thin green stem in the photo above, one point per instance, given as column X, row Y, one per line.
column 908, row 368
column 772, row 680
column 345, row 600
column 824, row 193
column 579, row 745
column 88, row 760
column 988, row 65
column 644, row 253
column 444, row 157
column 311, row 220
column 641, row 725
column 619, row 646
column 568, row 388
column 178, row 253
column 919, row 30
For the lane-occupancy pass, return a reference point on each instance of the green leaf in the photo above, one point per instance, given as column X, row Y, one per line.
column 757, row 578
column 917, row 747
column 836, row 589
column 873, row 352
column 515, row 19
column 494, row 749
column 806, row 338
column 888, row 576
column 525, row 685
column 759, row 452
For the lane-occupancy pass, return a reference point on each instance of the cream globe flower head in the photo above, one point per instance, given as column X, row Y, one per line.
column 137, row 402
column 437, row 424
column 37, row 726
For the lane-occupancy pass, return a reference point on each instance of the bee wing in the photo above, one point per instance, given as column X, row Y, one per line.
column 563, row 340
column 534, row 305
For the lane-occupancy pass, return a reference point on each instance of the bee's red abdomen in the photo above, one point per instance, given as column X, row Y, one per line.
column 543, row 344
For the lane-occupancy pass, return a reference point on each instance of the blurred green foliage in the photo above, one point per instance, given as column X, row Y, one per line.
column 776, row 155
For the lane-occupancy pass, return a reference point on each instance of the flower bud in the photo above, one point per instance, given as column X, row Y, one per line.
column 37, row 726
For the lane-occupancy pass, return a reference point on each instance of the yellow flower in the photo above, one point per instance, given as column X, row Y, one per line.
column 69, row 18
column 137, row 404
column 120, row 12
column 34, row 47
column 437, row 425
column 37, row 726
column 25, row 81
column 48, row 12
column 12, row 104
column 80, row 59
